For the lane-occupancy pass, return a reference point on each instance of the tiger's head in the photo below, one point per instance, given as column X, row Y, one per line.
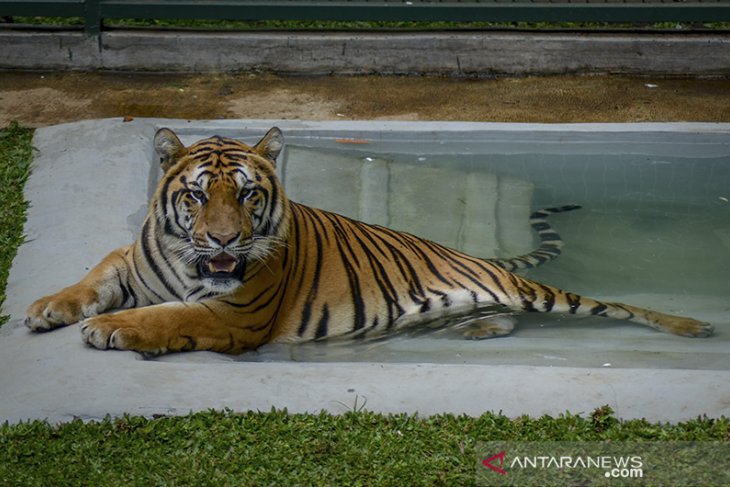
column 219, row 204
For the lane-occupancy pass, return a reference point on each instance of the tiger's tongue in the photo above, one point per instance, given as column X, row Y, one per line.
column 222, row 262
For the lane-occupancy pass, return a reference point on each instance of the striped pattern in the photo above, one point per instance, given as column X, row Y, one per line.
column 550, row 242
column 367, row 279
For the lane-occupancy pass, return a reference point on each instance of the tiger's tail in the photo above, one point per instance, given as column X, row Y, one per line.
column 533, row 296
column 550, row 242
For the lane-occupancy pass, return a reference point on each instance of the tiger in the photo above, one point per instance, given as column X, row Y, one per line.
column 225, row 262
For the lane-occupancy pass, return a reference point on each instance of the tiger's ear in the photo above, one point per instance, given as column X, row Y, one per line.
column 169, row 148
column 270, row 146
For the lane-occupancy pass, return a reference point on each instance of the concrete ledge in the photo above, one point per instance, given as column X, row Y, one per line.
column 393, row 53
column 53, row 376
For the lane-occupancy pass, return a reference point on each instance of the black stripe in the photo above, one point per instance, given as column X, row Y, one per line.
column 141, row 280
column 471, row 273
column 208, row 295
column 404, row 265
column 411, row 242
column 274, row 200
column 599, row 309
column 176, row 215
column 212, row 311
column 314, row 286
column 549, row 235
column 322, row 325
column 549, row 298
column 267, row 303
column 342, row 242
column 202, row 153
column 297, row 221
column 165, row 187
column 248, row 303
column 339, row 226
column 445, row 300
column 131, row 296
column 195, row 290
column 355, row 291
column 152, row 263
column 127, row 294
column 212, row 174
column 528, row 295
column 573, row 302
column 382, row 277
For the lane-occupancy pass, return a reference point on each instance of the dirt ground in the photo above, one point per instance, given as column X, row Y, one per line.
column 38, row 99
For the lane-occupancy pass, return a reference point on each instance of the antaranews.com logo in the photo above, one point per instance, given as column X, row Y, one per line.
column 615, row 467
column 596, row 463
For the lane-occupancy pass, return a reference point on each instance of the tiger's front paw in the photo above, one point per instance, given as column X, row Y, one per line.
column 102, row 333
column 64, row 308
column 115, row 331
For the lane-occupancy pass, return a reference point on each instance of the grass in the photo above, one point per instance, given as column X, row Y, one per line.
column 15, row 158
column 274, row 448
column 365, row 25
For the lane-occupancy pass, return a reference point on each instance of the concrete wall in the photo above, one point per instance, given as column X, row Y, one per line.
column 316, row 53
column 477, row 212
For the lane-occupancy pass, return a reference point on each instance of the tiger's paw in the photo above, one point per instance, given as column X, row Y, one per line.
column 110, row 331
column 490, row 327
column 102, row 333
column 704, row 330
column 61, row 309
column 689, row 327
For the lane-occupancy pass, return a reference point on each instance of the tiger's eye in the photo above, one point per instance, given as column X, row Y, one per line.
column 198, row 195
column 244, row 195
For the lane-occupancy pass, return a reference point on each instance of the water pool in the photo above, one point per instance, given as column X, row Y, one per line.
column 654, row 230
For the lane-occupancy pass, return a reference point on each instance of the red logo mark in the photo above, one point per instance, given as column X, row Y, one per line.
column 488, row 463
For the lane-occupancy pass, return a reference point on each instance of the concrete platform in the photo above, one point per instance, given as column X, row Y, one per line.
column 451, row 53
column 86, row 169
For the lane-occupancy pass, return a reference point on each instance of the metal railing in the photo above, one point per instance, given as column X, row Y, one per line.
column 95, row 12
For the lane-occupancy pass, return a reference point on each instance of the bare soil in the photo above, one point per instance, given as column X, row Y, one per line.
column 37, row 99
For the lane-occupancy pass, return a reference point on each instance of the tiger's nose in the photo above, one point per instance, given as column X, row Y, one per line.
column 223, row 239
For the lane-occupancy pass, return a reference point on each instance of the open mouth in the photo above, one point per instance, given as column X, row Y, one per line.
column 222, row 266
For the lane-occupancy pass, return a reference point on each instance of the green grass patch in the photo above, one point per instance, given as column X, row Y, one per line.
column 276, row 448
column 15, row 158
column 365, row 25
